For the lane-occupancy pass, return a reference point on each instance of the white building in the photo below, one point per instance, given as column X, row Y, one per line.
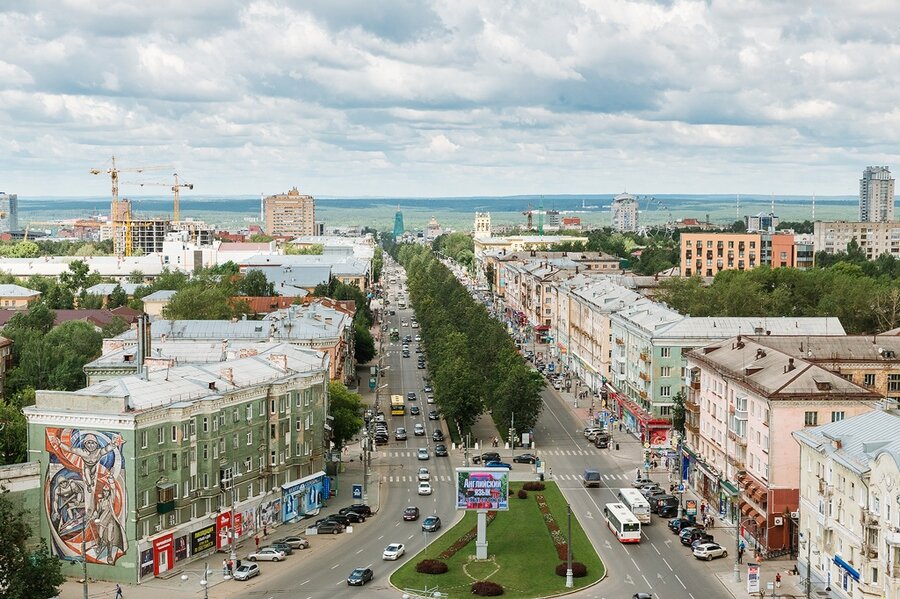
column 876, row 195
column 624, row 213
column 850, row 506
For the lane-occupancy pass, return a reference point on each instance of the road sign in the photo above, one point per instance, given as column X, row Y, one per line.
column 690, row 507
column 681, row 488
column 357, row 491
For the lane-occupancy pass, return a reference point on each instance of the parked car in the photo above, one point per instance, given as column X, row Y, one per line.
column 266, row 554
column 649, row 489
column 702, row 540
column 677, row 524
column 294, row 541
column 488, row 456
column 440, row 450
column 359, row 577
column 431, row 524
column 498, row 464
column 641, row 481
column 246, row 572
column 411, row 513
column 283, row 547
column 359, row 508
column 330, row 527
column 354, row 518
column 525, row 458
column 602, row 440
column 424, row 488
column 421, row 366
column 690, row 535
column 394, row 551
column 428, row 389
column 709, row 551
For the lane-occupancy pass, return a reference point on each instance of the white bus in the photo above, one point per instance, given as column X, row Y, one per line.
column 636, row 504
column 622, row 523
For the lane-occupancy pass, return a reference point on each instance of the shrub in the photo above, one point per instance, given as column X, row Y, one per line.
column 486, row 588
column 523, row 494
column 533, row 486
column 431, row 566
column 578, row 569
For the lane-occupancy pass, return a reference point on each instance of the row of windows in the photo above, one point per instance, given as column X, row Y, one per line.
column 811, row 418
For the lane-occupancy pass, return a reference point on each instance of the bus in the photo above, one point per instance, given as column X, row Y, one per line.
column 622, row 523
column 398, row 406
column 636, row 504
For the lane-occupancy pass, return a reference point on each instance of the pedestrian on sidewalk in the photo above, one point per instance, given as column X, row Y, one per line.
column 741, row 553
column 119, row 594
column 257, row 542
column 777, row 580
column 224, row 567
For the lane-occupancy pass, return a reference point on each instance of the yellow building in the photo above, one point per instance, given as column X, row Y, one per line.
column 290, row 213
column 16, row 297
column 705, row 254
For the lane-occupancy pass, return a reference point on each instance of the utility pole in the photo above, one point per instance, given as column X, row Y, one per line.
column 232, row 552
column 808, row 563
column 570, row 582
column 84, row 530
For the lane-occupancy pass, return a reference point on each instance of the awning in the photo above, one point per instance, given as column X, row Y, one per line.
column 850, row 570
column 745, row 508
column 760, row 520
column 729, row 487
column 542, row 327
column 706, row 472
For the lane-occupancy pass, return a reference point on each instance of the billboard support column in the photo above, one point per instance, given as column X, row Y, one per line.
column 481, row 540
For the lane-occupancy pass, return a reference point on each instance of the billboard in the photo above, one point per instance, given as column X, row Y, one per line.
column 482, row 489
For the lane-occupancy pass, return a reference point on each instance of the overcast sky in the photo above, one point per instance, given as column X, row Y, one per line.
column 450, row 97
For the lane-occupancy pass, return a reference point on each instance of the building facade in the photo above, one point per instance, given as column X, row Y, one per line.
column 761, row 222
column 9, row 212
column 850, row 506
column 624, row 210
column 174, row 465
column 744, row 400
column 876, row 195
column 16, row 297
column 873, row 238
column 290, row 213
column 706, row 254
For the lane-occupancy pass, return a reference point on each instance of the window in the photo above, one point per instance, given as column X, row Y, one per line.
column 174, row 461
column 174, row 433
column 205, row 481
column 145, row 498
column 234, row 441
column 810, row 418
column 160, row 463
column 250, row 438
column 249, row 412
column 665, row 371
column 143, row 439
column 205, row 451
column 869, row 380
column 665, row 391
column 248, row 464
column 145, row 467
column 665, row 352
column 159, row 436
column 193, row 427
column 205, row 424
column 894, row 382
column 665, row 410
column 235, row 415
column 837, row 416
column 184, row 460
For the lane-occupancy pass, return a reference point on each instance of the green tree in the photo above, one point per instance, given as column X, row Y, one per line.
column 316, row 249
column 346, row 408
column 136, row 277
column 261, row 238
column 54, row 360
column 363, row 343
column 377, row 264
column 116, row 326
column 117, row 298
column 13, row 434
column 678, row 412
column 199, row 301
column 27, row 571
column 255, row 284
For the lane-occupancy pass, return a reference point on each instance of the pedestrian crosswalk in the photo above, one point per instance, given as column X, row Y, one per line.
column 414, row 479
column 607, row 477
column 411, row 453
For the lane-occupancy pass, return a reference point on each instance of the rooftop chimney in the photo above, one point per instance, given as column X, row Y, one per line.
column 279, row 360
column 228, row 375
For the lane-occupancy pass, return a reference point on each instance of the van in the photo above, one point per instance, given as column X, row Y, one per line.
column 590, row 478
column 602, row 441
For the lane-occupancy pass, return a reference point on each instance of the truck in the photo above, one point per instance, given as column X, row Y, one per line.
column 590, row 478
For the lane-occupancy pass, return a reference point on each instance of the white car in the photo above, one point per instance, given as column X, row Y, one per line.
column 422, row 453
column 246, row 572
column 403, row 323
column 424, row 488
column 415, row 325
column 424, row 474
column 709, row 551
column 266, row 554
column 393, row 551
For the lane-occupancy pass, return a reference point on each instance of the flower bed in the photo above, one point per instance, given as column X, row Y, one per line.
column 465, row 539
column 562, row 548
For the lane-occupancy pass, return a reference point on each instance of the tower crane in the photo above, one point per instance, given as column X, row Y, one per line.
column 176, row 189
column 121, row 247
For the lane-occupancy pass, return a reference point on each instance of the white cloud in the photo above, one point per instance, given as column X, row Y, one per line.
column 451, row 96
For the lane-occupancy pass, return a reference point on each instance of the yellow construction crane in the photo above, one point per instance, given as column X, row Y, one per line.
column 176, row 189
column 121, row 247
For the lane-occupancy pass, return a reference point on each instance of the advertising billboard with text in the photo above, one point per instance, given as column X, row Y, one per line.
column 482, row 489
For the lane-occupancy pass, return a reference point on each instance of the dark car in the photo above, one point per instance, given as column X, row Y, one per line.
column 359, row 577
column 433, row 415
column 488, row 456
column 411, row 513
column 525, row 458
column 690, row 535
column 421, row 366
column 440, row 450
column 411, row 396
column 285, row 547
column 602, row 441
column 437, row 435
column 359, row 508
column 654, row 499
column 354, row 518
column 431, row 524
column 498, row 464
column 414, row 410
column 642, row 596
column 677, row 524
column 667, row 507
column 330, row 527
column 701, row 539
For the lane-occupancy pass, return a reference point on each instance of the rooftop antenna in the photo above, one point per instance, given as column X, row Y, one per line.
column 814, row 207
column 262, row 208
column 737, row 208
column 772, row 204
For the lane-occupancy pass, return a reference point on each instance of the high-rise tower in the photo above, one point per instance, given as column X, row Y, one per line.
column 398, row 224
column 876, row 195
column 9, row 212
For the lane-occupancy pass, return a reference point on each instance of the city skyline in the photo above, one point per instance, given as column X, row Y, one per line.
column 435, row 99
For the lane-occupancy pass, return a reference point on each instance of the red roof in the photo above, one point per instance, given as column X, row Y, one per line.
column 97, row 318
column 264, row 305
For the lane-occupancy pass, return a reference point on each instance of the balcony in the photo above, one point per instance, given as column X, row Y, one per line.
column 642, row 394
column 692, row 427
column 737, row 438
column 692, row 406
column 644, row 376
column 892, row 537
column 620, row 341
column 645, row 357
column 695, row 384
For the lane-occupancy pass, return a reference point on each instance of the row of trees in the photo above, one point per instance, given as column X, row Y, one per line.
column 458, row 246
column 474, row 363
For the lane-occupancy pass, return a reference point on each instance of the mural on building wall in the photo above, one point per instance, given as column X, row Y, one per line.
column 84, row 494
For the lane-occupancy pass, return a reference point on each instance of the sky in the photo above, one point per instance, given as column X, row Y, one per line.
column 436, row 98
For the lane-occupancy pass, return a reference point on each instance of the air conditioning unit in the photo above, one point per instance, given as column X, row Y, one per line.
column 778, row 521
column 795, row 515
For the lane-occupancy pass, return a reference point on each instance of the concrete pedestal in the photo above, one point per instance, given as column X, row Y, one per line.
column 481, row 546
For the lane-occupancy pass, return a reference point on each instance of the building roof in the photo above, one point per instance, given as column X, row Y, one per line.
column 10, row 290
column 855, row 442
column 774, row 374
column 825, row 348
column 192, row 383
column 107, row 266
column 264, row 305
column 294, row 279
column 107, row 288
column 163, row 295
column 98, row 318
column 246, row 246
column 183, row 351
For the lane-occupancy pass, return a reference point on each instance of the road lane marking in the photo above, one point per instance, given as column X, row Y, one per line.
column 638, row 568
column 647, row 581
column 305, row 581
column 360, row 551
column 654, row 547
column 670, row 567
column 335, row 566
column 679, row 580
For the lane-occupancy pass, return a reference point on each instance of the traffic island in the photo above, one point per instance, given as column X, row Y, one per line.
column 524, row 551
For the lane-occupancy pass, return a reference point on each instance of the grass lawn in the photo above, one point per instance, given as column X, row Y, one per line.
column 521, row 553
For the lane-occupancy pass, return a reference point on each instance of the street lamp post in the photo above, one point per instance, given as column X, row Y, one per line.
column 204, row 582
column 570, row 582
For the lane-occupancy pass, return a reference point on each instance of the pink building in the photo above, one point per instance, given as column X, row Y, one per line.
column 743, row 402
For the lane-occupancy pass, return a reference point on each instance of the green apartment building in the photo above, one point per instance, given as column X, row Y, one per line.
column 141, row 473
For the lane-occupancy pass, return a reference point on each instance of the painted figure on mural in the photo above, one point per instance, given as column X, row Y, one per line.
column 84, row 494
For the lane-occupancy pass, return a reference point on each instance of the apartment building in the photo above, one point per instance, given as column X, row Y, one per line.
column 487, row 264
column 873, row 238
column 16, row 297
column 849, row 515
column 876, row 195
column 290, row 213
column 744, row 400
column 9, row 212
column 624, row 212
column 171, row 466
